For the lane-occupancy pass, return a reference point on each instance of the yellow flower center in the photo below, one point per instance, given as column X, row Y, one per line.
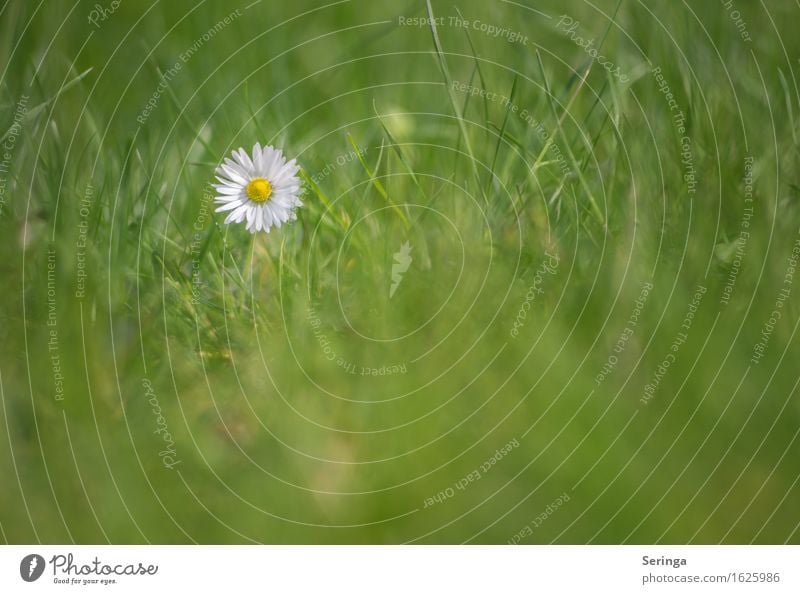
column 259, row 189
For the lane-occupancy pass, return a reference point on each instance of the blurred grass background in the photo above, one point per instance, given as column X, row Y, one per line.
column 228, row 336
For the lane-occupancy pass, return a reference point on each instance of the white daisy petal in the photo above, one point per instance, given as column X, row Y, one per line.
column 289, row 168
column 261, row 189
column 257, row 159
column 236, row 214
column 244, row 159
column 272, row 162
column 228, row 206
column 235, row 166
column 224, row 181
column 233, row 175
column 243, row 215
column 227, row 190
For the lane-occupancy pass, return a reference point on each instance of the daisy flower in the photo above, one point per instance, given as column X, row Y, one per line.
column 263, row 191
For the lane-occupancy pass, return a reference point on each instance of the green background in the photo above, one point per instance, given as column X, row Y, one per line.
column 573, row 185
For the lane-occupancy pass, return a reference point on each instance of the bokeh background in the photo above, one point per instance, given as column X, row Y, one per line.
column 588, row 211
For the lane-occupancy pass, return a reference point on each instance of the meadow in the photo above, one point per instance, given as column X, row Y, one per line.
column 543, row 287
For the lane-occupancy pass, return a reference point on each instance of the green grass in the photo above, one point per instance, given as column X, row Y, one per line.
column 234, row 333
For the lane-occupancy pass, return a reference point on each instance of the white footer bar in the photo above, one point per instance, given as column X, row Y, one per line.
column 390, row 569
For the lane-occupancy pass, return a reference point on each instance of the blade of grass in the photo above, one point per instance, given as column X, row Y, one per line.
column 323, row 197
column 377, row 183
column 467, row 97
column 560, row 130
column 376, row 167
column 578, row 88
column 182, row 111
column 451, row 94
column 32, row 113
column 789, row 110
column 477, row 68
column 396, row 146
column 502, row 130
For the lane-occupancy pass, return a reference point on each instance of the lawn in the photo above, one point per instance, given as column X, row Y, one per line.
column 543, row 286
